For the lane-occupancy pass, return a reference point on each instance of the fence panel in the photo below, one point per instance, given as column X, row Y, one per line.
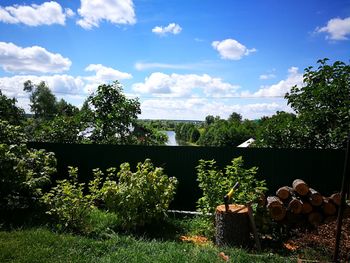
column 322, row 169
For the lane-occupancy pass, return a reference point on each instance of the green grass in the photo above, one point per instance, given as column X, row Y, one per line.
column 42, row 245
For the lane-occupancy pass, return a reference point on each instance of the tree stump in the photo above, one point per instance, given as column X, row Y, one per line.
column 232, row 227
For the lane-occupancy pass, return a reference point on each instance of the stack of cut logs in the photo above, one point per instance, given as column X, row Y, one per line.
column 301, row 204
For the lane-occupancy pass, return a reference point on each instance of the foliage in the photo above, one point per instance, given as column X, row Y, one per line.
column 146, row 135
column 9, row 111
column 23, row 172
column 235, row 117
column 323, row 105
column 279, row 131
column 187, row 132
column 43, row 101
column 136, row 198
column 61, row 129
column 113, row 114
column 68, row 203
column 216, row 183
column 66, row 109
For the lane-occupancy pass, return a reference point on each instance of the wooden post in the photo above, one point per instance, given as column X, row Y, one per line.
column 232, row 227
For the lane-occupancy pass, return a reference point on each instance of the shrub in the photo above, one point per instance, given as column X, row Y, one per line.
column 23, row 172
column 136, row 198
column 215, row 183
column 67, row 202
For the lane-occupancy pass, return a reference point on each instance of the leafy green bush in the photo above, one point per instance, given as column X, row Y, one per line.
column 68, row 203
column 23, row 172
column 215, row 183
column 136, row 198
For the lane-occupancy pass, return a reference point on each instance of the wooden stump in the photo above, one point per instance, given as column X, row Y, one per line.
column 300, row 187
column 232, row 227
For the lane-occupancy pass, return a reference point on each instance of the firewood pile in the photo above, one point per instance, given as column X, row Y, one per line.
column 301, row 204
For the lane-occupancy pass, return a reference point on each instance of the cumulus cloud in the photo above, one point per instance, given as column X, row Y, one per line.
column 146, row 66
column 172, row 28
column 33, row 59
column 113, row 11
column 231, row 49
column 177, row 85
column 281, row 88
column 336, row 29
column 63, row 85
column 47, row 13
column 199, row 108
column 103, row 74
column 267, row 76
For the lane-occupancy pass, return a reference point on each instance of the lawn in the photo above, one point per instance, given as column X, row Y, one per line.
column 42, row 245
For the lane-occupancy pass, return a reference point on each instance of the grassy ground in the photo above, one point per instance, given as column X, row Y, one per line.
column 41, row 245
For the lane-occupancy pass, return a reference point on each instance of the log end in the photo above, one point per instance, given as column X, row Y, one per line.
column 233, row 208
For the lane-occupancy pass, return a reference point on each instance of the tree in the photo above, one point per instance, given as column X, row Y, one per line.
column 322, row 105
column 43, row 101
column 235, row 117
column 66, row 109
column 9, row 111
column 113, row 115
column 209, row 120
column 279, row 131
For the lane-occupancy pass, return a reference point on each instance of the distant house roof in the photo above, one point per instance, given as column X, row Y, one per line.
column 247, row 143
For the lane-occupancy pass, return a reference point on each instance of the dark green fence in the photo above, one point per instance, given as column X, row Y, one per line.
column 322, row 169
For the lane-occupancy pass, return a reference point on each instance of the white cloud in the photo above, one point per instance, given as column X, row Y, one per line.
column 199, row 108
column 113, row 11
column 146, row 66
column 177, row 85
column 267, row 76
column 33, row 59
column 231, row 49
column 47, row 13
column 64, row 86
column 336, row 29
column 279, row 89
column 103, row 75
column 172, row 28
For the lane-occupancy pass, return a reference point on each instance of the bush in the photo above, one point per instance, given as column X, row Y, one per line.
column 136, row 198
column 23, row 172
column 68, row 204
column 216, row 183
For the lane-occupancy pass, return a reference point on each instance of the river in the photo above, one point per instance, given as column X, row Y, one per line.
column 171, row 138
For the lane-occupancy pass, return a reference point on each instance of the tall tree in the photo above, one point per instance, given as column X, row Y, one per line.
column 42, row 100
column 322, row 105
column 9, row 111
column 113, row 114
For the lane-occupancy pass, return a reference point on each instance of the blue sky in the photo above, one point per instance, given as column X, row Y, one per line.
column 183, row 59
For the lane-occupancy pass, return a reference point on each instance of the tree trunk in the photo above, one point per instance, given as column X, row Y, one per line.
column 284, row 192
column 335, row 198
column 315, row 198
column 328, row 207
column 300, row 187
column 307, row 208
column 232, row 227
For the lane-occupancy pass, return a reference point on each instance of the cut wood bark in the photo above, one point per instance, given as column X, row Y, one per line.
column 315, row 218
column 295, row 205
column 300, row 187
column 232, row 227
column 336, row 198
column 307, row 208
column 316, row 199
column 328, row 207
column 277, row 213
column 273, row 201
column 284, row 192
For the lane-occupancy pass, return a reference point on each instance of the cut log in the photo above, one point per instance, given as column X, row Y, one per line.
column 277, row 213
column 307, row 208
column 284, row 192
column 328, row 207
column 315, row 218
column 300, row 187
column 315, row 198
column 295, row 205
column 273, row 201
column 232, row 227
column 262, row 200
column 336, row 198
